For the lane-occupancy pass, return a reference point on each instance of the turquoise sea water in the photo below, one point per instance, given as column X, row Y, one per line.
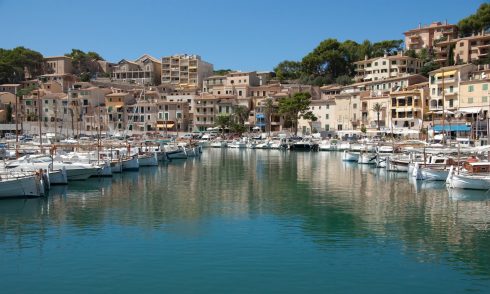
column 248, row 221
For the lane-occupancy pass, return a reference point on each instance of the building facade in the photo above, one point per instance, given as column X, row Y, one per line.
column 185, row 71
column 145, row 70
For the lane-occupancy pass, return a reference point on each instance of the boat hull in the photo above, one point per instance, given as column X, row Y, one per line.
column 27, row 186
column 130, row 164
column 350, row 156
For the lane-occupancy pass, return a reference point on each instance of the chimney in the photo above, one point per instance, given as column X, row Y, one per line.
column 385, row 55
column 365, row 57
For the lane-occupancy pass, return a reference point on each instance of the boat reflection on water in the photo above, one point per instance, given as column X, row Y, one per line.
column 468, row 195
column 426, row 185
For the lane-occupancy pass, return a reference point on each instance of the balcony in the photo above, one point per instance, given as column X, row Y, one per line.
column 446, row 80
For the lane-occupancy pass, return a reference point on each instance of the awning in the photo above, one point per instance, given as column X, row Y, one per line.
column 469, row 110
column 452, row 128
column 446, row 73
column 167, row 126
column 259, row 115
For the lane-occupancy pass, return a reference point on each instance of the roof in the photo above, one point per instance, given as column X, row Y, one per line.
column 453, row 67
column 215, row 77
column 117, row 94
column 146, row 56
column 476, row 81
column 429, row 27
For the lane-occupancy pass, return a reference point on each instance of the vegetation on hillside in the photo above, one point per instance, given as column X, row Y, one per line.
column 15, row 63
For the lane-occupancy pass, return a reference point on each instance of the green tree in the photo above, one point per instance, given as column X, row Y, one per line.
column 288, row 70
column 475, row 23
column 389, row 47
column 15, row 63
column 222, row 72
column 9, row 113
column 295, row 107
column 377, row 107
column 240, row 113
column 344, row 80
column 84, row 63
column 223, row 121
column 269, row 110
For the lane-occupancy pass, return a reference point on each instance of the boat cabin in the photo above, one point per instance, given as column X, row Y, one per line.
column 477, row 167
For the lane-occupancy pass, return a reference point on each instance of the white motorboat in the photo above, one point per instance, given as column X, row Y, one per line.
column 343, row 146
column 74, row 170
column 328, row 146
column 263, row 145
column 218, row 144
column 240, row 144
column 350, row 156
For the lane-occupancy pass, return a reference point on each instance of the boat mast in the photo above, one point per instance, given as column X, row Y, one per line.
column 443, row 110
column 40, row 119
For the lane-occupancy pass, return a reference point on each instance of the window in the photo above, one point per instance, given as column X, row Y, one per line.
column 327, row 128
column 384, row 62
column 470, row 88
column 451, row 103
column 326, row 116
column 376, row 64
column 328, row 106
column 239, row 93
column 484, row 87
column 451, row 89
column 354, row 105
column 470, row 100
column 484, row 99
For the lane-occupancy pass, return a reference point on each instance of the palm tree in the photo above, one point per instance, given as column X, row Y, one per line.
column 269, row 111
column 377, row 107
column 241, row 113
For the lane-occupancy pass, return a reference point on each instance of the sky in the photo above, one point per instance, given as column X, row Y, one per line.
column 241, row 35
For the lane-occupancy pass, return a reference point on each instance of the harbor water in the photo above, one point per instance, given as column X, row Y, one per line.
column 248, row 221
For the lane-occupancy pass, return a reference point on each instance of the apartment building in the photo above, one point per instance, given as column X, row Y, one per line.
column 386, row 67
column 66, row 81
column 11, row 88
column 185, row 71
column 90, row 104
column 325, row 113
column 426, row 36
column 369, row 117
column 444, row 86
column 52, row 107
column 209, row 106
column 145, row 70
column 7, row 100
column 408, row 107
column 116, row 105
column 464, row 50
column 474, row 103
column 173, row 116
